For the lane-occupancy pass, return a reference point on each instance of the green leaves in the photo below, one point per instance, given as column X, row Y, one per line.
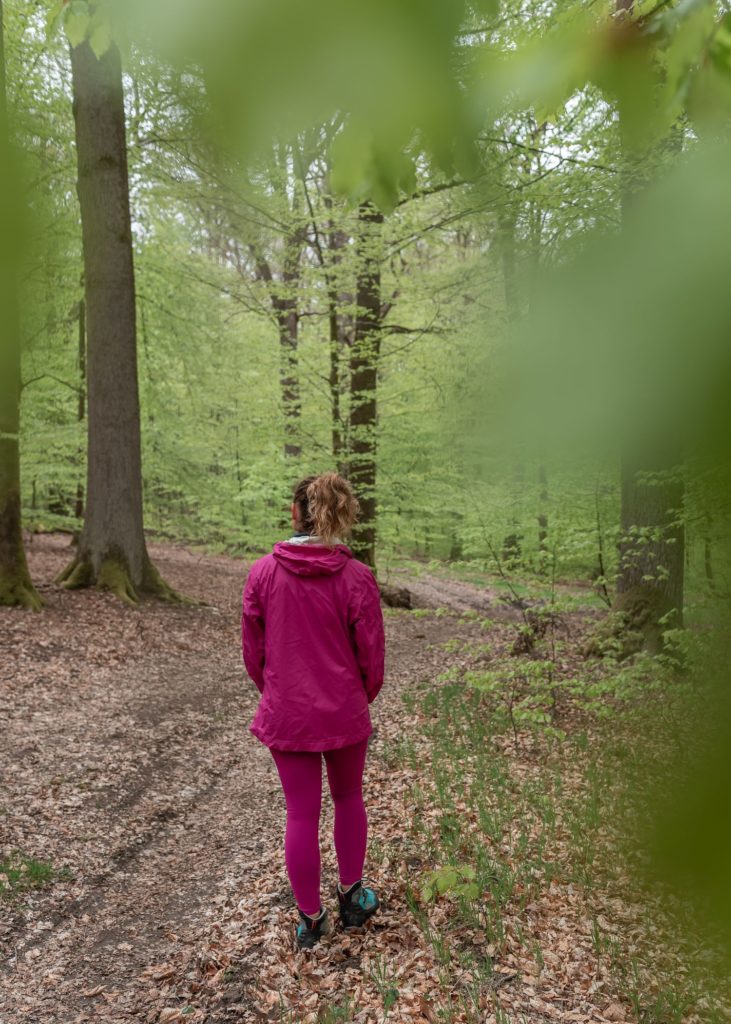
column 458, row 880
column 55, row 17
column 362, row 169
column 100, row 38
column 82, row 20
column 546, row 68
column 389, row 74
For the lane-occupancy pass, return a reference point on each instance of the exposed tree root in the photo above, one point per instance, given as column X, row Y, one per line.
column 638, row 620
column 114, row 576
column 76, row 575
column 155, row 586
column 19, row 593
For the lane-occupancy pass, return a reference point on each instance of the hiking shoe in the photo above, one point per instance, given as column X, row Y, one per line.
column 310, row 930
column 357, row 904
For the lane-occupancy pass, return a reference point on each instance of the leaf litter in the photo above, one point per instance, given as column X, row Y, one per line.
column 130, row 770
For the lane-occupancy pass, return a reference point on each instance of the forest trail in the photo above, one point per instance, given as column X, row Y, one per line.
column 130, row 766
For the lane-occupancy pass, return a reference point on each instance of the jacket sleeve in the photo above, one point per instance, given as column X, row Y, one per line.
column 368, row 637
column 252, row 632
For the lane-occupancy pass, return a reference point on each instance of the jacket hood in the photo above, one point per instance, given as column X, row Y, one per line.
column 312, row 559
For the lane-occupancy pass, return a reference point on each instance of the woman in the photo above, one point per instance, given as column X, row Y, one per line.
column 313, row 644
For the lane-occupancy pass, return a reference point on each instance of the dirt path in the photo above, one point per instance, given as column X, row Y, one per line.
column 128, row 767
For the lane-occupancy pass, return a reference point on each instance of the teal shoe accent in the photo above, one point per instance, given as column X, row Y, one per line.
column 357, row 905
column 367, row 899
column 310, row 930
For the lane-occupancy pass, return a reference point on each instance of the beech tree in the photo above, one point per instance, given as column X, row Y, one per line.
column 364, row 379
column 16, row 587
column 112, row 553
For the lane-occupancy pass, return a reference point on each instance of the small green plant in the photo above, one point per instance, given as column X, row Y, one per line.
column 19, row 872
column 342, row 1012
column 384, row 982
column 525, row 692
column 458, row 880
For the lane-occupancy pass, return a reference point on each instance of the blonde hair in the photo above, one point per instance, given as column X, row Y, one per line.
column 327, row 506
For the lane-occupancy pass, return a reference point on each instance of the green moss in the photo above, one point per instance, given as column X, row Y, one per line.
column 16, row 587
column 154, row 585
column 114, row 576
column 76, row 575
column 18, row 591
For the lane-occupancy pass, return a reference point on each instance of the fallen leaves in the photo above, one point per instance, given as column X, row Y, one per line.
column 130, row 763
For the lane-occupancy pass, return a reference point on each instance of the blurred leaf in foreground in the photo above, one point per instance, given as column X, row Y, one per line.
column 388, row 69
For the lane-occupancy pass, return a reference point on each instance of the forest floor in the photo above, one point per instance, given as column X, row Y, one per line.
column 151, row 820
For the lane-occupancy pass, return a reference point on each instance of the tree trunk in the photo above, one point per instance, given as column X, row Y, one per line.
column 543, row 514
column 81, row 410
column 650, row 582
column 652, row 549
column 340, row 339
column 364, row 358
column 16, row 587
column 507, row 230
column 288, row 321
column 112, row 553
column 284, row 300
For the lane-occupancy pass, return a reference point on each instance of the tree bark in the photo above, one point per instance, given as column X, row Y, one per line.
column 340, row 327
column 112, row 553
column 287, row 312
column 543, row 513
column 364, row 359
column 16, row 587
column 507, row 230
column 81, row 410
column 652, row 546
column 284, row 300
column 508, row 255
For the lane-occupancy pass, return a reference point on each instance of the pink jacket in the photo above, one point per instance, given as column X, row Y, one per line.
column 313, row 643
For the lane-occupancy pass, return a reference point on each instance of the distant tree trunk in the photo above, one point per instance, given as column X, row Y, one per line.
column 16, row 587
column 284, row 300
column 364, row 359
column 507, row 225
column 81, row 411
column 334, row 383
column 507, row 228
column 112, row 553
column 650, row 583
column 652, row 546
column 288, row 320
column 543, row 514
column 340, row 340
column 708, row 563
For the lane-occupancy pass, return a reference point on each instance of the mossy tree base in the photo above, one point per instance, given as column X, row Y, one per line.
column 16, row 586
column 114, row 575
column 638, row 620
column 19, row 592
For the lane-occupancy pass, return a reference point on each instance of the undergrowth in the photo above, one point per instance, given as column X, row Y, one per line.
column 542, row 768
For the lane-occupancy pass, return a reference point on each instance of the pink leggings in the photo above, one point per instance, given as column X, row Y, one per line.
column 301, row 775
